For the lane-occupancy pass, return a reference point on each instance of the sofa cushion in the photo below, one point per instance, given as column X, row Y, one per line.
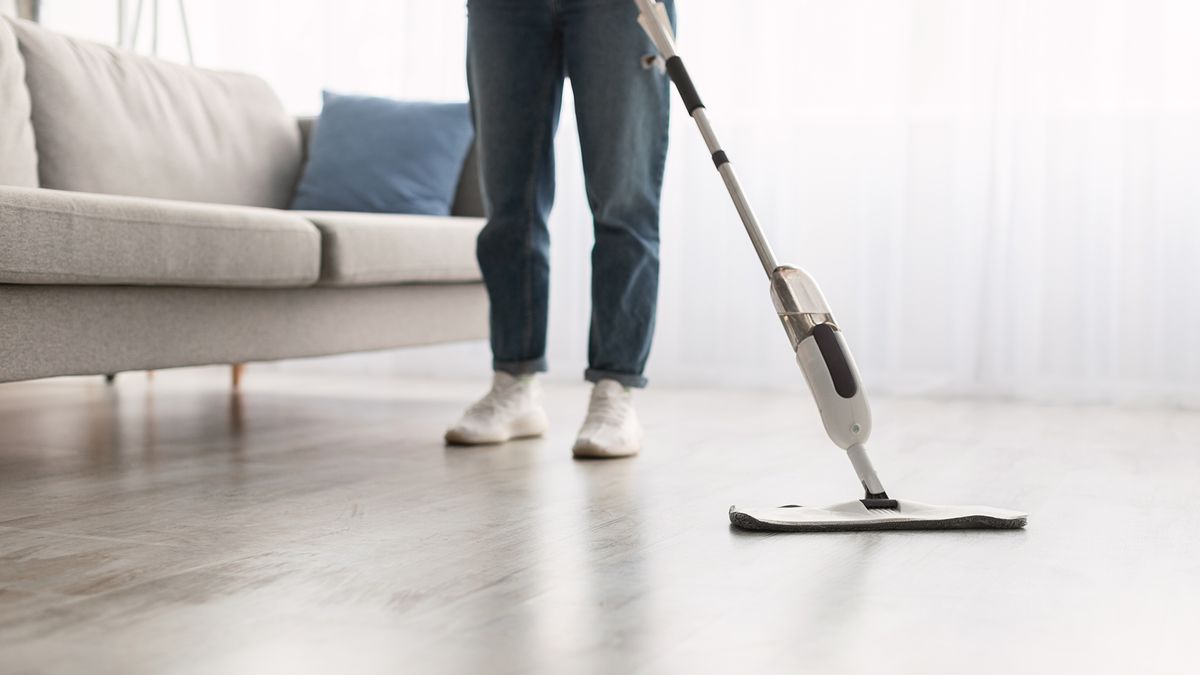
column 54, row 237
column 110, row 121
column 381, row 155
column 468, row 196
column 18, row 158
column 364, row 249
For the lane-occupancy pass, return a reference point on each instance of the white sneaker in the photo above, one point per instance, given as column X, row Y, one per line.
column 512, row 409
column 611, row 428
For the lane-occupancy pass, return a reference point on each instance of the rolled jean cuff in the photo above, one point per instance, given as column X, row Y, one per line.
column 520, row 367
column 626, row 379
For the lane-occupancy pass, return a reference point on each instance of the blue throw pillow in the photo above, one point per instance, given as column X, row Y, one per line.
column 385, row 156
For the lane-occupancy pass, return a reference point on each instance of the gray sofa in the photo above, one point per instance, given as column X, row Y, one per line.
column 142, row 226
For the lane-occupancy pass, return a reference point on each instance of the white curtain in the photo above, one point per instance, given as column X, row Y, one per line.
column 999, row 197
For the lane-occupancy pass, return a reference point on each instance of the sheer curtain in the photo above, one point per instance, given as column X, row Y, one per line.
column 999, row 197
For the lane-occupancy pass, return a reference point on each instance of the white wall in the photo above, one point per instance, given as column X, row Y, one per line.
column 409, row 49
column 998, row 196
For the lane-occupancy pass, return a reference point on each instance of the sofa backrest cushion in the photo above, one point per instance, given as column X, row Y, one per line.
column 110, row 121
column 18, row 158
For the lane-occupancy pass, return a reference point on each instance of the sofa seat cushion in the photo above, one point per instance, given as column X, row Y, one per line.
column 365, row 249
column 114, row 122
column 18, row 157
column 53, row 237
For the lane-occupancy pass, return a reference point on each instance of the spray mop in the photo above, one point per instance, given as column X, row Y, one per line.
column 824, row 358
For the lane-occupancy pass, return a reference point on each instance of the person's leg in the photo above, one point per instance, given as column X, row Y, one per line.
column 515, row 74
column 622, row 106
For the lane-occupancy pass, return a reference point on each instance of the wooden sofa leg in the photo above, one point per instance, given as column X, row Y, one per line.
column 110, row 378
column 238, row 370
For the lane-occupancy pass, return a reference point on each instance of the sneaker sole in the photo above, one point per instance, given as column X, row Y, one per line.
column 533, row 426
column 592, row 451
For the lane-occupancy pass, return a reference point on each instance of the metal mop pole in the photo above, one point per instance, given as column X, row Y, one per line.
column 817, row 341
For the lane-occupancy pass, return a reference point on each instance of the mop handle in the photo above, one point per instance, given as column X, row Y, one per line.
column 820, row 349
column 654, row 20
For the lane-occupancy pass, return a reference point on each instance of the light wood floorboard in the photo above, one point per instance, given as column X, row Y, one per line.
column 315, row 524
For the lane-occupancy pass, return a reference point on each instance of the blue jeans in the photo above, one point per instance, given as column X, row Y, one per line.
column 518, row 52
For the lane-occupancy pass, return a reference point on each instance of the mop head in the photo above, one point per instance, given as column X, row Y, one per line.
column 855, row 517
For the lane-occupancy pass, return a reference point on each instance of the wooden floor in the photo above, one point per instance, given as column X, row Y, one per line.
column 318, row 525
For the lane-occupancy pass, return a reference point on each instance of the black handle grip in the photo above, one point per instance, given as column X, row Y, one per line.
column 683, row 82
